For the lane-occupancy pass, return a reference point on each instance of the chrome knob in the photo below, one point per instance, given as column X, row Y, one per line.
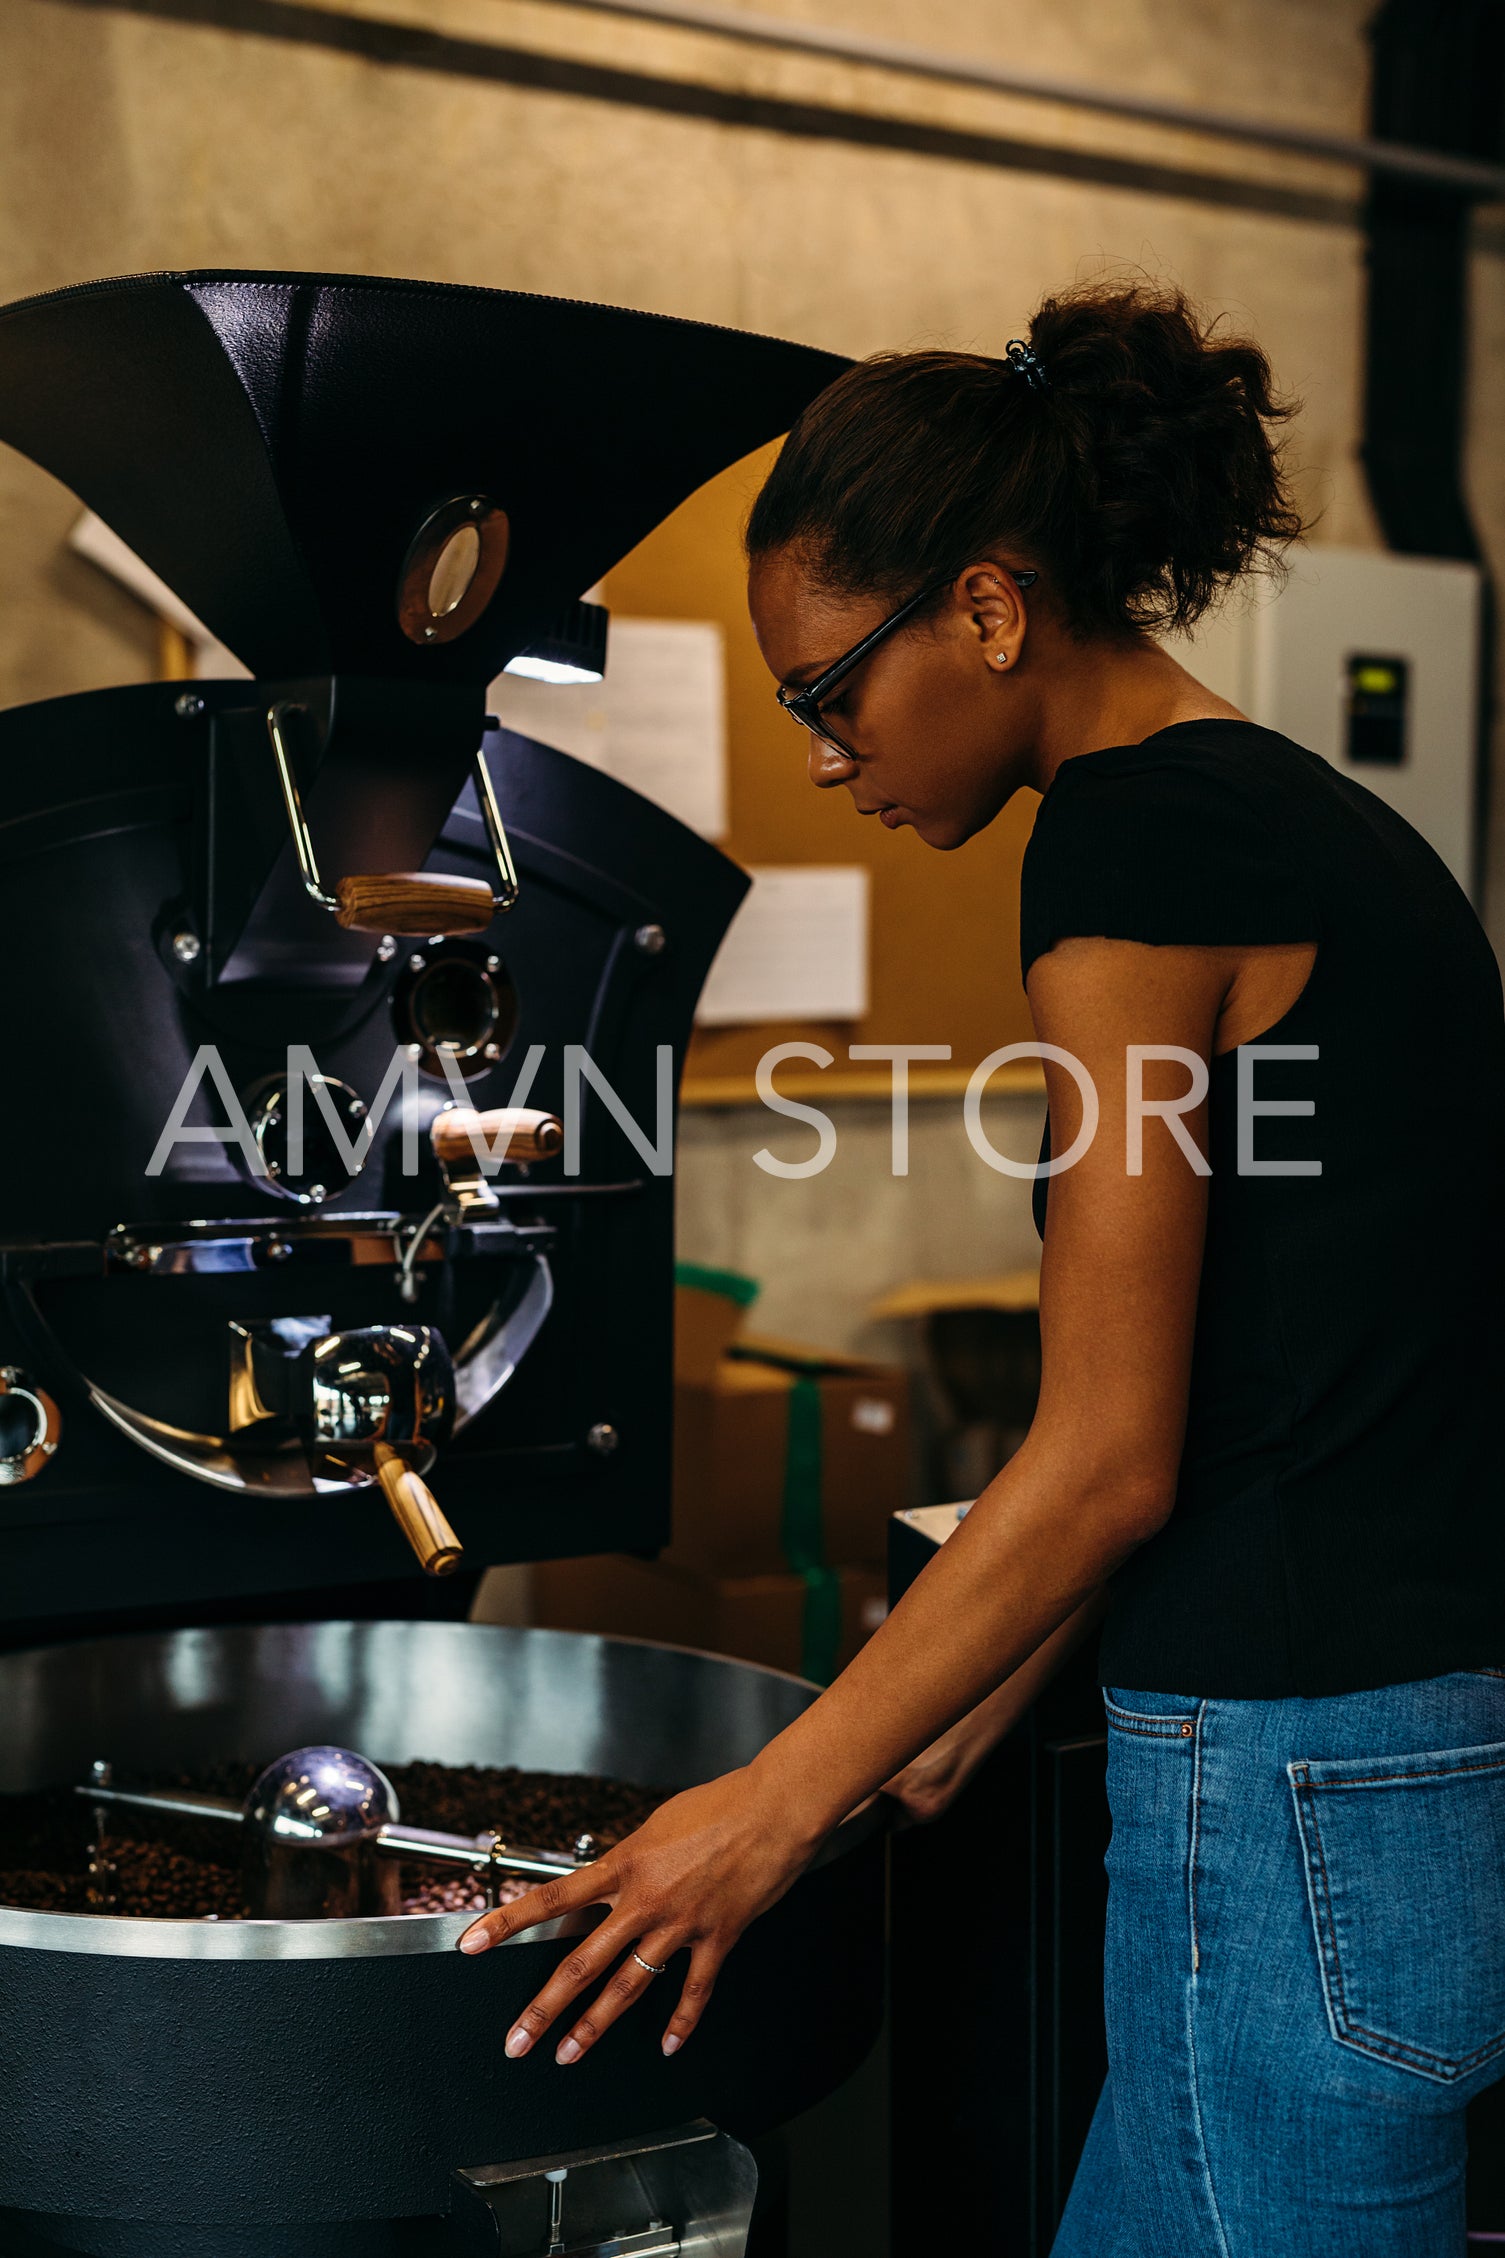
column 379, row 1383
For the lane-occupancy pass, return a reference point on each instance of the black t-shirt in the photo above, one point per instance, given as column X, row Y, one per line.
column 1340, row 1512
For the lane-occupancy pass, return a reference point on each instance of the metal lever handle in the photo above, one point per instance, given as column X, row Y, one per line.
column 406, row 902
column 418, row 1513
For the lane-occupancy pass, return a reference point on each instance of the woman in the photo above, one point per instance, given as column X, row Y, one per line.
column 1270, row 1309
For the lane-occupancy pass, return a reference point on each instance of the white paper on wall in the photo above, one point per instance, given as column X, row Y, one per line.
column 796, row 949
column 568, row 715
column 657, row 722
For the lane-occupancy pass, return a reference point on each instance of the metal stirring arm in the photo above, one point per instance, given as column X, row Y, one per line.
column 480, row 1854
column 483, row 1854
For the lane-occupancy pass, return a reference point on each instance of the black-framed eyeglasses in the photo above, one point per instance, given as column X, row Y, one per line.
column 805, row 704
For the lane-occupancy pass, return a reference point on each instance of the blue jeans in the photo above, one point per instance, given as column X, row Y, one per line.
column 1305, row 1973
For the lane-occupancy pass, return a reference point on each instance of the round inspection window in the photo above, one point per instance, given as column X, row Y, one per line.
column 28, row 1427
column 319, row 1169
column 22, row 1426
column 449, row 582
column 455, row 997
column 454, row 563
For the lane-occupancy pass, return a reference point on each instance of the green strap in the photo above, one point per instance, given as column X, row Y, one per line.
column 803, row 1537
column 730, row 1284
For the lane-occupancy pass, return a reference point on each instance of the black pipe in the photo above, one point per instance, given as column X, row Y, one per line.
column 1438, row 83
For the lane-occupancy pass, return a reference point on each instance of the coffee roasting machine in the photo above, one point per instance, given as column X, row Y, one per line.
column 336, row 1246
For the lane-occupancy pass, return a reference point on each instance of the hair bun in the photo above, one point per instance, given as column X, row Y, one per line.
column 1172, row 483
column 1155, row 478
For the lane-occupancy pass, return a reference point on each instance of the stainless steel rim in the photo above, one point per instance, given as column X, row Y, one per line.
column 128, row 1936
column 377, row 1937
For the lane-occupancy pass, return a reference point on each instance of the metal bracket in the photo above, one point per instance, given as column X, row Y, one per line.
column 241, row 1243
column 686, row 2193
column 505, row 890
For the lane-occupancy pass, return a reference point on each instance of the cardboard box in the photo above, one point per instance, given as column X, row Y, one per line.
column 788, row 1458
column 709, row 1306
column 922, row 1297
column 783, row 1621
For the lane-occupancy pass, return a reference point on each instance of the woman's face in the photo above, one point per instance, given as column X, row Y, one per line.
column 938, row 721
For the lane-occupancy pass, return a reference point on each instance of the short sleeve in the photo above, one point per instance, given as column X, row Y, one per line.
column 1174, row 851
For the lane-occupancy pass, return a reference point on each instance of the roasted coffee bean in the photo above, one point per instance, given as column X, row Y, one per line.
column 184, row 1869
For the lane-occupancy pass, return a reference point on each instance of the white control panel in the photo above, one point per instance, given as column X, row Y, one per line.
column 1371, row 660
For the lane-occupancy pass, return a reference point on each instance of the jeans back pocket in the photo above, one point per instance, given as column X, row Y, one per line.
column 1405, row 1873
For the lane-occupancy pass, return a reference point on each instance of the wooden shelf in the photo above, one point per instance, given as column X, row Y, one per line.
column 826, row 1086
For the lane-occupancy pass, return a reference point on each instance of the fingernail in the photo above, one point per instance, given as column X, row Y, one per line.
column 569, row 2050
column 474, row 1940
column 518, row 2042
column 671, row 2043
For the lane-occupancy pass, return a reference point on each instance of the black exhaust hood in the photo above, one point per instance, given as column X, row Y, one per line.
column 273, row 444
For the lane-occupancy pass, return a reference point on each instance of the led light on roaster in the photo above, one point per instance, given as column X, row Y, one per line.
column 548, row 670
column 571, row 649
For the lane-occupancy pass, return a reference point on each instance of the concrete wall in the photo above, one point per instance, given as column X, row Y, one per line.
column 530, row 146
column 132, row 139
column 824, row 1248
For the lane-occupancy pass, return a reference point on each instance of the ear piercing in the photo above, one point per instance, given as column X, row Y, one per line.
column 1002, row 657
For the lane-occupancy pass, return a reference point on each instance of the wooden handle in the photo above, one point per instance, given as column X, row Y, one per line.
column 521, row 1133
column 425, row 903
column 418, row 1513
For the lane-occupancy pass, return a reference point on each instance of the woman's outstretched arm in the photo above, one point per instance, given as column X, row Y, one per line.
column 1094, row 1478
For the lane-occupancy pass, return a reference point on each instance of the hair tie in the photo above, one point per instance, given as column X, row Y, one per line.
column 1025, row 362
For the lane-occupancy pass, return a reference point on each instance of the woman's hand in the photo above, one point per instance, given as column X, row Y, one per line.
column 693, row 1875
column 933, row 1781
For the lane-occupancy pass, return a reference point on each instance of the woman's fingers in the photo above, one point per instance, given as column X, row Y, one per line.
column 592, row 1885
column 589, row 1961
column 699, row 1983
column 627, row 1983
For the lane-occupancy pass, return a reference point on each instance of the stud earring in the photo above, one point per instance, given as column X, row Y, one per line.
column 1003, row 658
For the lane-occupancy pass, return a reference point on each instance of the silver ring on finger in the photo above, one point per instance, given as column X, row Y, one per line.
column 648, row 1965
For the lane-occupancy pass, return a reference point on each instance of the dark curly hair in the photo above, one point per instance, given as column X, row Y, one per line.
column 1142, row 476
